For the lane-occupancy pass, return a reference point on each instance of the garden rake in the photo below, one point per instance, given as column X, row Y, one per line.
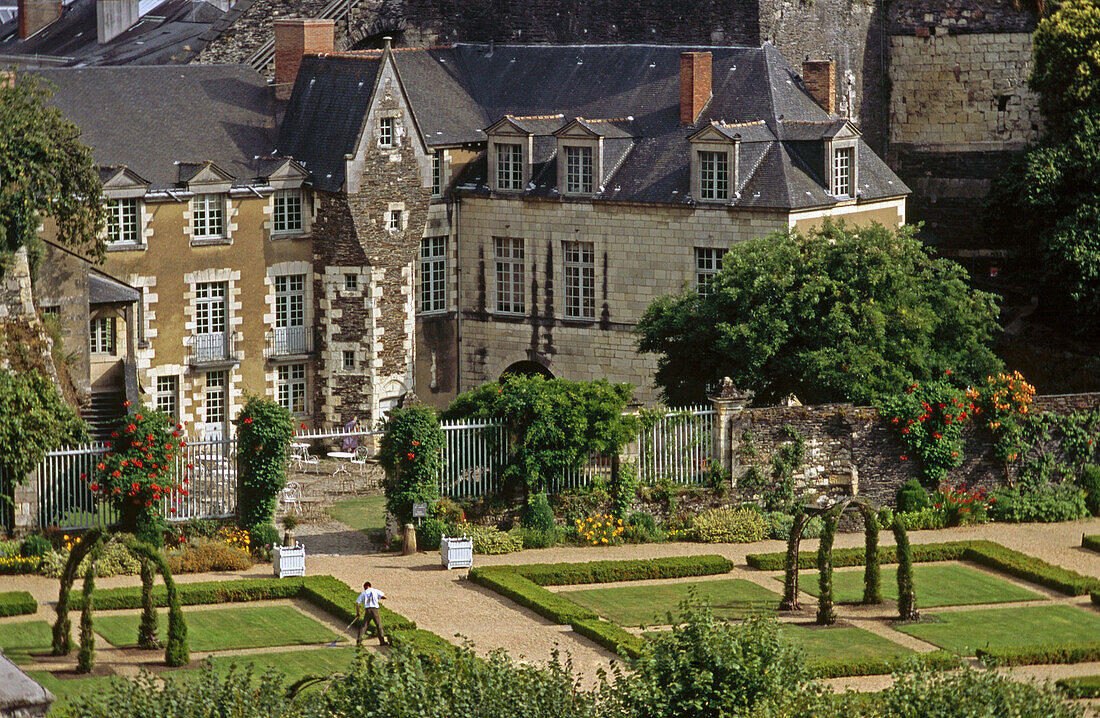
column 335, row 640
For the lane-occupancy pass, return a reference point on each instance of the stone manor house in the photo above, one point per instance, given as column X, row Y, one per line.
column 380, row 222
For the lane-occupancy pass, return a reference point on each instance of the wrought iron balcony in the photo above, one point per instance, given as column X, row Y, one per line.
column 290, row 341
column 213, row 349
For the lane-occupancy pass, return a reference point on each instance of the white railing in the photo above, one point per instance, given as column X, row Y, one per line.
column 473, row 456
column 677, row 447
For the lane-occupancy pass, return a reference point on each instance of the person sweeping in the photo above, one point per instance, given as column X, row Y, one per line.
column 368, row 600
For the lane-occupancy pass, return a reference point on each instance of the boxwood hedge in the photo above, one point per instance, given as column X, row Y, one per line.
column 1069, row 652
column 611, row 636
column 17, row 603
column 873, row 666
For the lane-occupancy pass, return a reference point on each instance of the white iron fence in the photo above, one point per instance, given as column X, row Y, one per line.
column 678, row 446
column 473, row 456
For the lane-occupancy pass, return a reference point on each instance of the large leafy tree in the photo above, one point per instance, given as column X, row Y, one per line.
column 44, row 170
column 1066, row 73
column 838, row 314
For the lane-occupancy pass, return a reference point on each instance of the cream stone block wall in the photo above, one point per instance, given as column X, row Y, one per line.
column 962, row 91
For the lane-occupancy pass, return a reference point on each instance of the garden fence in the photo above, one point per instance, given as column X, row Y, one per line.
column 678, row 446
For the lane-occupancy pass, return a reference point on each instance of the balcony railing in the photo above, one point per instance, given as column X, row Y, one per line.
column 212, row 348
column 290, row 341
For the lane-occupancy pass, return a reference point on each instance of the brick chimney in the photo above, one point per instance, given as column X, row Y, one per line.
column 295, row 37
column 820, row 80
column 114, row 17
column 36, row 14
column 694, row 85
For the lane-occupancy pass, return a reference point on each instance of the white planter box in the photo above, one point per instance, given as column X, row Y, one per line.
column 289, row 560
column 456, row 552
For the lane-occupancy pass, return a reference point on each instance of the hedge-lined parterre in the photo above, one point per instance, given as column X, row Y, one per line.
column 611, row 636
column 1072, row 652
column 879, row 665
column 17, row 603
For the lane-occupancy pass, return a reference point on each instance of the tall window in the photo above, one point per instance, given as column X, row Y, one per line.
column 509, row 166
column 290, row 314
column 580, row 280
column 842, row 172
column 102, row 335
column 215, row 409
column 713, row 175
column 510, row 280
column 385, row 131
column 708, row 262
column 291, row 387
column 437, row 173
column 578, row 169
column 208, row 216
column 287, row 216
column 433, row 274
column 210, row 308
column 122, row 221
column 393, row 220
column 167, row 398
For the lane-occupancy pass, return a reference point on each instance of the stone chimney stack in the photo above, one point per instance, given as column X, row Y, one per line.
column 294, row 38
column 114, row 17
column 33, row 15
column 820, row 80
column 694, row 85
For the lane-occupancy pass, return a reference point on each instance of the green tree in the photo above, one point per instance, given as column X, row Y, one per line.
column 838, row 314
column 45, row 170
column 34, row 419
column 1066, row 72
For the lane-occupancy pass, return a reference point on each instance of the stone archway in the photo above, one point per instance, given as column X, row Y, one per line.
column 527, row 368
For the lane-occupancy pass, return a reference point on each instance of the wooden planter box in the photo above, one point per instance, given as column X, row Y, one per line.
column 289, row 560
column 456, row 552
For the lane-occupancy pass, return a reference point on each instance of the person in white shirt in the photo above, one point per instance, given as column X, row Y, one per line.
column 368, row 599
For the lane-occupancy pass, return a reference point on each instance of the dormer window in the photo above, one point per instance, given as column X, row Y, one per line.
column 287, row 214
column 385, row 131
column 437, row 173
column 842, row 171
column 714, row 176
column 123, row 221
column 578, row 170
column 208, row 216
column 509, row 166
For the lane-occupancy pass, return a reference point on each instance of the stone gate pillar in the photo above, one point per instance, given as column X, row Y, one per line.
column 25, row 505
column 728, row 404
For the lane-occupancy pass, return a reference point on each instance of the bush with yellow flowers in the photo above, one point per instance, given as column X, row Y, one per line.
column 601, row 530
column 1005, row 402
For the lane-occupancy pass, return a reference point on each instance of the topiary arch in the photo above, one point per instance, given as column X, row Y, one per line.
column 90, row 544
column 872, row 591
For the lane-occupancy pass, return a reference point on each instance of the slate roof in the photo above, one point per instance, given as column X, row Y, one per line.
column 173, row 32
column 457, row 92
column 149, row 118
column 19, row 692
column 105, row 289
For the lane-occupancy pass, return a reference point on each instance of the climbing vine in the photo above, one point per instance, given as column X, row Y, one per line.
column 907, row 599
column 264, row 431
column 872, row 588
column 790, row 576
column 826, row 616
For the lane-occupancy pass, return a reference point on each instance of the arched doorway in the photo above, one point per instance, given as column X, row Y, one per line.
column 527, row 368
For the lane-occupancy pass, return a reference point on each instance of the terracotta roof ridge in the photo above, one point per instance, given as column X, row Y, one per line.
column 721, row 123
column 808, row 122
column 628, row 118
column 521, row 118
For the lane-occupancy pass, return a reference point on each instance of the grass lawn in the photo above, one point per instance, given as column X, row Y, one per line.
column 964, row 631
column 936, row 585
column 221, row 628
column 366, row 513
column 647, row 605
column 841, row 642
column 17, row 640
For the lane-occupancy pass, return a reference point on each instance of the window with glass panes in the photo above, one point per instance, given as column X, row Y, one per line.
column 210, row 308
column 385, row 131
column 122, row 221
column 842, row 172
column 510, row 275
column 393, row 220
column 708, row 262
column 167, row 397
column 290, row 300
column 349, row 360
column 102, row 335
column 287, row 216
column 509, row 166
column 351, row 282
column 208, row 216
column 291, row 387
column 578, row 169
column 437, row 172
column 215, row 408
column 580, row 280
column 433, row 274
column 713, row 175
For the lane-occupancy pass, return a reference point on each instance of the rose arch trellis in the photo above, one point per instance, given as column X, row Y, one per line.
column 872, row 590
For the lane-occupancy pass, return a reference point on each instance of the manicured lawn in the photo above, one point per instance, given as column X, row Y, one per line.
column 17, row 640
column 366, row 513
column 222, row 628
column 964, row 631
column 936, row 585
column 648, row 605
column 841, row 643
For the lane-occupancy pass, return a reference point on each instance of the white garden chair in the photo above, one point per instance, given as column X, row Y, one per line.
column 292, row 498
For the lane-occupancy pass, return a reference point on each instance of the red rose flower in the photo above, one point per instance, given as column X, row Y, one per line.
column 83, row 477
column 248, row 420
column 903, row 457
column 139, row 417
column 94, row 487
column 116, row 473
column 411, row 455
column 101, row 466
column 126, row 404
column 172, row 510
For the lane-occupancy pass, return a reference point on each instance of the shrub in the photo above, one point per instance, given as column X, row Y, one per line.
column 952, row 694
column 429, row 533
column 527, row 593
column 533, row 538
column 264, row 431
column 911, row 497
column 1045, row 504
column 1080, row 687
column 642, row 528
column 926, row 519
column 1005, row 402
column 564, row 574
column 1092, row 543
column 537, row 514
column 491, row 540
column 610, row 636
column 600, row 530
column 14, row 565
column 1068, row 652
column 929, row 419
column 263, row 536
column 962, row 507
column 825, row 614
column 17, row 603
column 114, row 560
column 412, row 452
column 34, row 419
column 205, row 555
column 1090, row 482
column 873, row 666
column 35, row 545
column 743, row 525
column 780, row 523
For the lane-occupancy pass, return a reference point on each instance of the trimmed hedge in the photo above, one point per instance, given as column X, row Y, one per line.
column 837, row 668
column 1092, row 543
column 567, row 574
column 527, row 593
column 17, row 603
column 330, row 594
column 611, row 636
column 423, row 642
column 986, row 553
column 1030, row 655
column 1081, row 687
